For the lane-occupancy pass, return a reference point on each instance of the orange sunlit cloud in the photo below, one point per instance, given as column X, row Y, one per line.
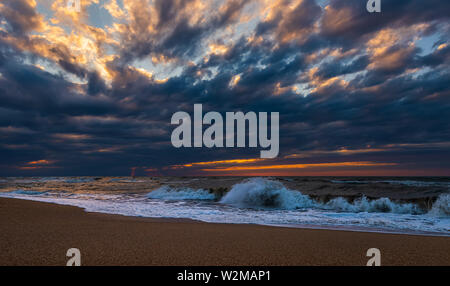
column 40, row 162
column 234, row 161
column 301, row 166
column 342, row 151
column 70, row 136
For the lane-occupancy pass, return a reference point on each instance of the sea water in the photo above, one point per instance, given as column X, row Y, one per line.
column 252, row 201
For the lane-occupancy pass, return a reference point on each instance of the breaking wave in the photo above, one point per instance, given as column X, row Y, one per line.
column 168, row 193
column 261, row 193
column 264, row 193
column 260, row 201
column 441, row 207
column 381, row 205
column 413, row 183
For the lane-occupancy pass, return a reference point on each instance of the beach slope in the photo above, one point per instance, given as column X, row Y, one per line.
column 34, row 233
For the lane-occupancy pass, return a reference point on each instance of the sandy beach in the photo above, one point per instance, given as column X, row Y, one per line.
column 34, row 233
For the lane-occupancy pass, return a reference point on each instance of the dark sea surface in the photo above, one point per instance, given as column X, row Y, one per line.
column 416, row 205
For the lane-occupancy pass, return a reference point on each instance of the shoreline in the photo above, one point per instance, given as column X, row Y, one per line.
column 38, row 233
column 293, row 226
column 362, row 229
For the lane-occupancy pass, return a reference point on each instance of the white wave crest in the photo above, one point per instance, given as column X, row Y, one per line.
column 441, row 207
column 266, row 202
column 264, row 193
column 381, row 205
column 168, row 193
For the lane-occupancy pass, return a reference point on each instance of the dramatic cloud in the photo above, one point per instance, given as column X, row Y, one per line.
column 92, row 92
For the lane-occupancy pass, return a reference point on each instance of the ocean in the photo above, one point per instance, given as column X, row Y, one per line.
column 419, row 205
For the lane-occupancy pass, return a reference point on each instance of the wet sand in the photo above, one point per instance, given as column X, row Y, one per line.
column 34, row 233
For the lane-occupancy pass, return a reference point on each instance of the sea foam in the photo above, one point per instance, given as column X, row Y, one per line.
column 264, row 193
column 169, row 193
column 258, row 201
column 441, row 207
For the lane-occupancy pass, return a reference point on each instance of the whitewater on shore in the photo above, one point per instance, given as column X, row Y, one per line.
column 265, row 201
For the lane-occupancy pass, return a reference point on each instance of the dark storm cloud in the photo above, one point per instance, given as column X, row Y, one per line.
column 313, row 65
column 340, row 67
column 20, row 16
column 436, row 58
column 298, row 21
column 184, row 38
column 174, row 35
column 28, row 88
column 349, row 20
column 42, row 116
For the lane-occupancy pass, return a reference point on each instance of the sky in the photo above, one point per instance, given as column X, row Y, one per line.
column 92, row 92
